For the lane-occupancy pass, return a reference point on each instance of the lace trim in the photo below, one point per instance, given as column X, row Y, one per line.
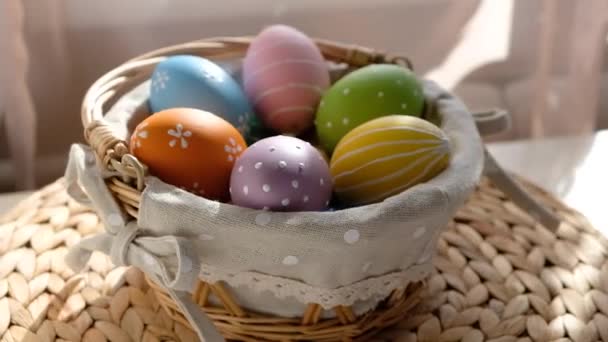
column 374, row 287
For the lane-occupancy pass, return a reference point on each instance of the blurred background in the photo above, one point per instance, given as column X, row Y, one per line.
column 543, row 60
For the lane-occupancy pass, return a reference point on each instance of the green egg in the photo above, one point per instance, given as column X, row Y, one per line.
column 365, row 94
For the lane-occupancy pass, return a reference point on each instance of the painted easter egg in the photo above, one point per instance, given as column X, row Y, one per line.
column 284, row 75
column 189, row 148
column 281, row 173
column 195, row 82
column 386, row 156
column 365, row 94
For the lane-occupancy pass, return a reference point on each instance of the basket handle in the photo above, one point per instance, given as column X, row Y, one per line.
column 358, row 56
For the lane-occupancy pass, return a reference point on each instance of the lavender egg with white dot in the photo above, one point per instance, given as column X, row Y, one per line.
column 281, row 173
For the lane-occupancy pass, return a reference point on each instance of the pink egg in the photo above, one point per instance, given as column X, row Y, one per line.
column 284, row 75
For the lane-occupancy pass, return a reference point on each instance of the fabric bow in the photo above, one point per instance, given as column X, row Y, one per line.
column 168, row 260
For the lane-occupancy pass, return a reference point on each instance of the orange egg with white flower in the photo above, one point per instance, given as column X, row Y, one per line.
column 189, row 148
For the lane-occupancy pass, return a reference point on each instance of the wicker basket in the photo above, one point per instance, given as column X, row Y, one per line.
column 233, row 321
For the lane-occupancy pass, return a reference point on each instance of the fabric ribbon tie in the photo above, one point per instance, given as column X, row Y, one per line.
column 175, row 268
column 167, row 260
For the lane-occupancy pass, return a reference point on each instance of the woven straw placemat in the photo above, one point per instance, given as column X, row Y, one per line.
column 500, row 277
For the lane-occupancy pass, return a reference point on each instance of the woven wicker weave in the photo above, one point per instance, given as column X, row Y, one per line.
column 500, row 278
column 232, row 320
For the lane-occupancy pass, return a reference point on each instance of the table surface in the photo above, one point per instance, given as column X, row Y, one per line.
column 572, row 168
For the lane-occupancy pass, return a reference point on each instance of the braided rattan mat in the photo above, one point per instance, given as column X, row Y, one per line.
column 500, row 278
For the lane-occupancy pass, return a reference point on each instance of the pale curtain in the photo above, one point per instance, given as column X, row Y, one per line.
column 579, row 98
column 18, row 108
column 20, row 111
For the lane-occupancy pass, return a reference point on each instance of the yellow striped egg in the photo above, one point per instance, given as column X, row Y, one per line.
column 386, row 156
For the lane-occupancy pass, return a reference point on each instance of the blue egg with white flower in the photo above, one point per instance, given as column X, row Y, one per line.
column 196, row 82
